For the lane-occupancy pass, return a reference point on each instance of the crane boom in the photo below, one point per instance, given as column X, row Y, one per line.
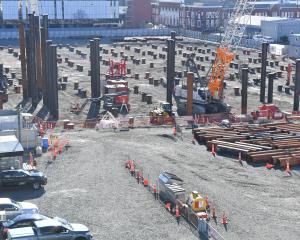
column 231, row 40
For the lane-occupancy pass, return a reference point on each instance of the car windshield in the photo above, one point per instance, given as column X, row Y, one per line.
column 65, row 223
column 15, row 202
column 8, row 223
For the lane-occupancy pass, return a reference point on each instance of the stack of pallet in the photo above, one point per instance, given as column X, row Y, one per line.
column 277, row 143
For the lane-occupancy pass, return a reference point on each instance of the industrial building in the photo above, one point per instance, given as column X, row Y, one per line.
column 279, row 28
column 294, row 45
column 67, row 10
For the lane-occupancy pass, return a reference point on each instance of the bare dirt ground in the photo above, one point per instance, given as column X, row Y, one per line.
column 89, row 184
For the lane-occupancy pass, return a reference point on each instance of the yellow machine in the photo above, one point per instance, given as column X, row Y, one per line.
column 162, row 114
column 196, row 202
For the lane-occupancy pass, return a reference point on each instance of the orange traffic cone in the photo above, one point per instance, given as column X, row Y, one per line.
column 288, row 170
column 168, row 206
column 224, row 219
column 269, row 166
column 174, row 131
column 213, row 152
column 146, row 182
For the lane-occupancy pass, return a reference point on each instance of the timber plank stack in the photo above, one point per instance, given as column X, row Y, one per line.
column 276, row 143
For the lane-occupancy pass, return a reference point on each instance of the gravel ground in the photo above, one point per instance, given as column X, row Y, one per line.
column 89, row 184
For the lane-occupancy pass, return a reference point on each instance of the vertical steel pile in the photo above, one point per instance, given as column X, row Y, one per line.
column 173, row 35
column 271, row 77
column 51, row 78
column 244, row 90
column 297, row 86
column 263, row 72
column 189, row 104
column 170, row 69
column 95, row 67
column 44, row 38
column 23, row 60
column 31, row 61
column 38, row 56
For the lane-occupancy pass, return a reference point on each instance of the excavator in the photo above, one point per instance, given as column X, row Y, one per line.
column 208, row 95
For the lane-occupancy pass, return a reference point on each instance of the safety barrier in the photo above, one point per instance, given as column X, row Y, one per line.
column 202, row 226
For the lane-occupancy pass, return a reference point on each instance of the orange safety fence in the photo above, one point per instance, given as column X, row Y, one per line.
column 200, row 224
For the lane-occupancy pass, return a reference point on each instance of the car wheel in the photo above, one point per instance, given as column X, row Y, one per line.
column 36, row 186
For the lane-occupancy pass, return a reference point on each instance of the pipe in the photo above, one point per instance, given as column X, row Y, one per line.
column 189, row 103
column 297, row 86
column 271, row 77
column 244, row 90
column 263, row 72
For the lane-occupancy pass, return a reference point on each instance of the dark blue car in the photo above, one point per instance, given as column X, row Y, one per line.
column 23, row 220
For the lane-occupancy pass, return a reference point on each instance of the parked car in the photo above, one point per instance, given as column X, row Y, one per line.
column 56, row 228
column 13, row 208
column 23, row 220
column 21, row 177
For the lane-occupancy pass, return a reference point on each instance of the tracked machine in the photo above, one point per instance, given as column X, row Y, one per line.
column 208, row 92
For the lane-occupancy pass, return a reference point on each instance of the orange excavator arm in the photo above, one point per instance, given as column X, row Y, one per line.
column 220, row 66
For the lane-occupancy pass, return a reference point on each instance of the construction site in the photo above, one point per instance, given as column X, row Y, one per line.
column 164, row 137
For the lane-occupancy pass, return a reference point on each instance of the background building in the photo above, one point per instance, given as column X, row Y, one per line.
column 138, row 13
column 210, row 16
column 68, row 10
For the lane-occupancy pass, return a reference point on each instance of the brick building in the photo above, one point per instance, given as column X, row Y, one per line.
column 139, row 13
column 208, row 17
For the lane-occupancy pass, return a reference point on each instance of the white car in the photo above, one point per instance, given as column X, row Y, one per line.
column 13, row 208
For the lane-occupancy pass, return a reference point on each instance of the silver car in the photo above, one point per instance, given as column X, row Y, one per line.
column 13, row 208
column 51, row 229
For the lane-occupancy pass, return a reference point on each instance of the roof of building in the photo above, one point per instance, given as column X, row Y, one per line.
column 256, row 20
column 10, row 146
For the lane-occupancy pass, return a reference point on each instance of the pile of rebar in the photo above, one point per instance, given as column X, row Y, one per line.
column 276, row 143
